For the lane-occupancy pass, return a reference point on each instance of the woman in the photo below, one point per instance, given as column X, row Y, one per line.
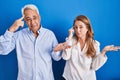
column 83, row 58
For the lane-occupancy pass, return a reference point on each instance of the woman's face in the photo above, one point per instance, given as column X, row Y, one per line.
column 80, row 29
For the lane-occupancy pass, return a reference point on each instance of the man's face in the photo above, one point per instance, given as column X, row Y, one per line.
column 32, row 18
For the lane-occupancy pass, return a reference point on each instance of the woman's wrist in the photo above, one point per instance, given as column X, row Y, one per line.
column 103, row 52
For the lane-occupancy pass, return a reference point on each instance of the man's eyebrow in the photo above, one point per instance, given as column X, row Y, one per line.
column 27, row 17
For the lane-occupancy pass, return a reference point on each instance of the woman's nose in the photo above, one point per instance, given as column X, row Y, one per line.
column 78, row 29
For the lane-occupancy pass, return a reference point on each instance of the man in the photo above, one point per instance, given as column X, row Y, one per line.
column 34, row 46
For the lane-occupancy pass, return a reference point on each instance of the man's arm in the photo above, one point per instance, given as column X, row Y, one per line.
column 7, row 41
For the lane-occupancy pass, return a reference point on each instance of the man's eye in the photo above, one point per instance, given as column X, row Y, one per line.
column 35, row 18
column 27, row 19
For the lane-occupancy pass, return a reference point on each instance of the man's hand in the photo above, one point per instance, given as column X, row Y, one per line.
column 18, row 23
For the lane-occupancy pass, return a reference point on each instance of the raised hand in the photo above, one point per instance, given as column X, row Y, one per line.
column 61, row 46
column 18, row 23
column 71, row 31
column 110, row 48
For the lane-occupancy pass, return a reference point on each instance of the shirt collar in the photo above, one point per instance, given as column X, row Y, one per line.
column 37, row 31
column 40, row 29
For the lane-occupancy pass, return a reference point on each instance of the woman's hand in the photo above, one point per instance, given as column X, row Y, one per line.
column 71, row 31
column 110, row 48
column 62, row 46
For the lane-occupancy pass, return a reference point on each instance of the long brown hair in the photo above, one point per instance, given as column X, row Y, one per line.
column 91, row 52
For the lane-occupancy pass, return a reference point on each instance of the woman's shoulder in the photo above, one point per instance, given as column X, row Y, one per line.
column 96, row 43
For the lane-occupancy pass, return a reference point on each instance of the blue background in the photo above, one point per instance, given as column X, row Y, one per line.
column 58, row 15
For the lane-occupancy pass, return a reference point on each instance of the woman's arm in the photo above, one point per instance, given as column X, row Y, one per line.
column 100, row 59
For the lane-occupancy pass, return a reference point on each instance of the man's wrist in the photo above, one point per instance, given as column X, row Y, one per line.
column 11, row 30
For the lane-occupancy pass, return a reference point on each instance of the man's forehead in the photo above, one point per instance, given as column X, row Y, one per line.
column 28, row 10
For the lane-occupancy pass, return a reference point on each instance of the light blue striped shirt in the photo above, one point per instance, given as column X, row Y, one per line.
column 34, row 54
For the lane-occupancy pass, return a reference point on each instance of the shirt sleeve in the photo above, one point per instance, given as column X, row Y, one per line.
column 99, row 60
column 55, row 55
column 67, row 53
column 7, row 43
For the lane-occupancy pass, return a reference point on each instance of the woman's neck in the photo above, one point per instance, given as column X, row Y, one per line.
column 82, row 39
column 82, row 42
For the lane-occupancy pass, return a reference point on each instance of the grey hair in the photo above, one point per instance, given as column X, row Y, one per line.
column 30, row 6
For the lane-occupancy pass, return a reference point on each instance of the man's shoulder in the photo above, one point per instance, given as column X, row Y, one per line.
column 47, row 30
column 22, row 31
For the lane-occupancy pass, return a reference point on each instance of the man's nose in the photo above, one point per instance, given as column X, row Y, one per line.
column 32, row 21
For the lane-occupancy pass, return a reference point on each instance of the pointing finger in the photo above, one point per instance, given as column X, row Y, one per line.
column 21, row 18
